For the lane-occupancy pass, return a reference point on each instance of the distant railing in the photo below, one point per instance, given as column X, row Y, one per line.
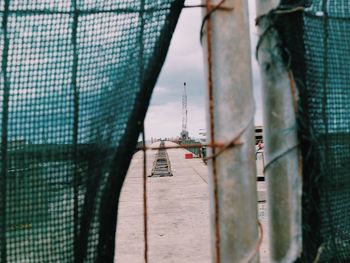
column 196, row 150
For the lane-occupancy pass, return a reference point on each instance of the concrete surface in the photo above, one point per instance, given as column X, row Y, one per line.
column 178, row 213
column 178, row 208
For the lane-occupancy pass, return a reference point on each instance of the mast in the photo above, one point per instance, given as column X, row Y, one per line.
column 184, row 132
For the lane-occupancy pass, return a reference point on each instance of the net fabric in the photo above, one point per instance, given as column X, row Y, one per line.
column 76, row 79
column 318, row 47
column 328, row 85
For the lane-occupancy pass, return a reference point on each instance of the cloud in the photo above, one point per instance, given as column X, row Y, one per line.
column 185, row 63
column 166, row 120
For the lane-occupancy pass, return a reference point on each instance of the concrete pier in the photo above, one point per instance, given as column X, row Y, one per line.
column 178, row 212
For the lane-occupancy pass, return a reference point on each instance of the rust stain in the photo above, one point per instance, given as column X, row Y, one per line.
column 212, row 126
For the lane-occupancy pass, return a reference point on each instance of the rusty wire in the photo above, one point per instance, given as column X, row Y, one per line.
column 222, row 150
column 207, row 20
column 145, row 212
column 233, row 143
column 210, row 10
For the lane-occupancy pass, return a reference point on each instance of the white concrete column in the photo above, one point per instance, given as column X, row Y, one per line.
column 233, row 197
column 282, row 164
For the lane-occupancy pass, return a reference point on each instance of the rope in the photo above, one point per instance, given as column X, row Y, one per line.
column 281, row 10
column 272, row 16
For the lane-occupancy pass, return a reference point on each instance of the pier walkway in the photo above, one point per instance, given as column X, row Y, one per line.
column 178, row 212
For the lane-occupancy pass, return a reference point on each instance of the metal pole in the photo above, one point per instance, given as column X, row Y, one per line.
column 144, row 181
column 233, row 197
column 282, row 170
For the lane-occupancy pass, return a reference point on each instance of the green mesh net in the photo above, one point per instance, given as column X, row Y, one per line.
column 317, row 44
column 76, row 79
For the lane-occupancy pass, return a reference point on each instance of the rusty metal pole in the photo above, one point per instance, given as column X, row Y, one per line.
column 282, row 170
column 233, row 197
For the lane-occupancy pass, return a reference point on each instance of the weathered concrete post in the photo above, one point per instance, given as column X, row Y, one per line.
column 233, row 197
column 282, row 166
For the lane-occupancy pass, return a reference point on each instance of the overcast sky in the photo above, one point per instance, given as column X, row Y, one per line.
column 184, row 63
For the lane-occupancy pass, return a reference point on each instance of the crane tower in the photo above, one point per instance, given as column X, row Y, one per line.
column 184, row 132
